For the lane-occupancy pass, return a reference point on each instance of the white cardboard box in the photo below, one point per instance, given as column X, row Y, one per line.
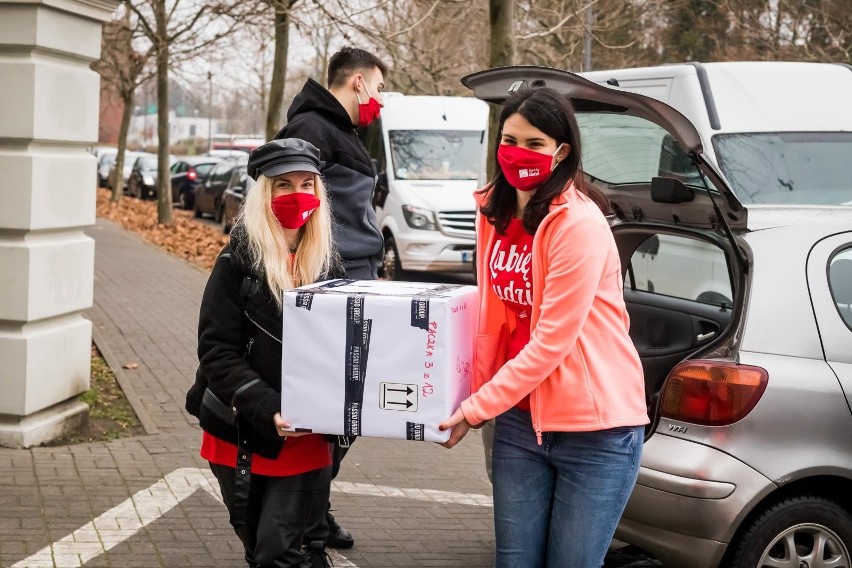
column 376, row 358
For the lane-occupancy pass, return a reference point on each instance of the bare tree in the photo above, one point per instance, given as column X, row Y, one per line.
column 281, row 9
column 502, row 52
column 124, row 70
column 179, row 30
column 428, row 44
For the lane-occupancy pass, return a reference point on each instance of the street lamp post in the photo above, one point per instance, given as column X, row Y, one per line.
column 210, row 112
column 195, row 132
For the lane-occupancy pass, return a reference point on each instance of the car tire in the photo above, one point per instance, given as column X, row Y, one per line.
column 391, row 268
column 807, row 522
column 183, row 200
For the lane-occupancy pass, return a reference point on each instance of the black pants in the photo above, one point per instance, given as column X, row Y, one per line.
column 278, row 512
column 317, row 529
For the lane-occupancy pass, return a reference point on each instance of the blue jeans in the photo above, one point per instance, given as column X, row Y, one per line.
column 557, row 505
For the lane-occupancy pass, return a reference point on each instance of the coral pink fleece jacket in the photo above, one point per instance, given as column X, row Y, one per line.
column 580, row 366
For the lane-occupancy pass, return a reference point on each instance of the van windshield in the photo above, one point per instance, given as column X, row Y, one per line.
column 436, row 154
column 808, row 168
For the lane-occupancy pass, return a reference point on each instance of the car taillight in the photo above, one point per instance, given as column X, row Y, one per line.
column 192, row 175
column 712, row 393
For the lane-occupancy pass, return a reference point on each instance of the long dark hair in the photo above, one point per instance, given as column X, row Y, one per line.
column 553, row 114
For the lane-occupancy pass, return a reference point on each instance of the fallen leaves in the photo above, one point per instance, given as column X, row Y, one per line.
column 188, row 238
column 130, row 366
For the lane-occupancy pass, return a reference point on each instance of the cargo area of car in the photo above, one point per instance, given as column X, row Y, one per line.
column 678, row 289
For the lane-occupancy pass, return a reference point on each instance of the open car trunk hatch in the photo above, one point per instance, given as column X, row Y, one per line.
column 628, row 140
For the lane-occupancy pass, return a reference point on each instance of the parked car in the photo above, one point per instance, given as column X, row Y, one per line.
column 225, row 153
column 748, row 459
column 186, row 173
column 105, row 163
column 142, row 182
column 238, row 187
column 208, row 195
column 129, row 160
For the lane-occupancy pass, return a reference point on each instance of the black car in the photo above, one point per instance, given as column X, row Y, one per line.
column 142, row 182
column 232, row 201
column 186, row 174
column 208, row 195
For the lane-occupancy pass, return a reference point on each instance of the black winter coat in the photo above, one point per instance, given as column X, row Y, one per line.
column 239, row 340
column 349, row 174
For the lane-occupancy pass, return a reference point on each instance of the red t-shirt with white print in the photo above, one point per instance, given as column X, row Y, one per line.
column 510, row 264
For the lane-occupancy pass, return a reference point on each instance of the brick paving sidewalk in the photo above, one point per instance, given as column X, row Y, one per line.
column 145, row 501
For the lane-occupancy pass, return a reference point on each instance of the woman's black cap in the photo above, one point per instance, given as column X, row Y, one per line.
column 283, row 156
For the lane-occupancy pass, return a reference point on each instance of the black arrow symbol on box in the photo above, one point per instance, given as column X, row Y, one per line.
column 406, row 404
column 407, row 390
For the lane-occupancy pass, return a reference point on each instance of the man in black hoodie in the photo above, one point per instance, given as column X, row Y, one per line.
column 327, row 118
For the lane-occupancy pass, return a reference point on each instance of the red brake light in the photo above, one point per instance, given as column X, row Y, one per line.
column 712, row 393
column 192, row 175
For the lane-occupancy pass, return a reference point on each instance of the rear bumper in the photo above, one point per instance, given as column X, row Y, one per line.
column 688, row 502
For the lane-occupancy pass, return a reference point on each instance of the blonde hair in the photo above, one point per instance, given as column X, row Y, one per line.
column 267, row 247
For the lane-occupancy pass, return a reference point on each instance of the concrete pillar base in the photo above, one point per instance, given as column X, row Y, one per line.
column 43, row 426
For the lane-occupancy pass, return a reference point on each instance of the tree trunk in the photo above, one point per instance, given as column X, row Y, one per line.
column 164, row 194
column 502, row 53
column 118, row 182
column 279, row 68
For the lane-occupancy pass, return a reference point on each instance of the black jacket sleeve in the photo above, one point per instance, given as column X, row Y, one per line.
column 223, row 336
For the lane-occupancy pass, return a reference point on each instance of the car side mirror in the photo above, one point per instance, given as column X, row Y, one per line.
column 670, row 190
column 381, row 193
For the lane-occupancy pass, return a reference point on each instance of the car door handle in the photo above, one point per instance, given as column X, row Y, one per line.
column 705, row 336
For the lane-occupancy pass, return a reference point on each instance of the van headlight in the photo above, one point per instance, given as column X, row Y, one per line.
column 418, row 218
column 148, row 180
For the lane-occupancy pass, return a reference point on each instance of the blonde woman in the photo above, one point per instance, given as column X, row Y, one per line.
column 273, row 482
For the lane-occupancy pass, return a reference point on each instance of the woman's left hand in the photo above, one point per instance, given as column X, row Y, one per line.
column 459, row 425
column 282, row 427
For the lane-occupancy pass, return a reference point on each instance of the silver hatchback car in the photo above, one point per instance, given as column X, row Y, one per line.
column 743, row 320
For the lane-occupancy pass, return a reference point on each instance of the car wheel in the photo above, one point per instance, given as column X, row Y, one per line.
column 391, row 266
column 798, row 531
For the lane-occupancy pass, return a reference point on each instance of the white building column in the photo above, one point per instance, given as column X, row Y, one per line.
column 48, row 116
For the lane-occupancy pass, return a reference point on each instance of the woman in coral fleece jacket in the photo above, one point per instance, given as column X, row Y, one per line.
column 554, row 363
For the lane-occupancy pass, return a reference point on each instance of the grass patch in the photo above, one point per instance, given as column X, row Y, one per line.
column 110, row 414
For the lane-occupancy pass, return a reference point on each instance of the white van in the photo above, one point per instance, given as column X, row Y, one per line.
column 780, row 132
column 430, row 152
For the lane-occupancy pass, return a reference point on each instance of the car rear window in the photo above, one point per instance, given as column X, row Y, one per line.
column 203, row 169
column 622, row 149
column 810, row 168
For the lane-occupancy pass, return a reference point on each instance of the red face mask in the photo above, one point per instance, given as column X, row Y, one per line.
column 293, row 209
column 369, row 111
column 524, row 169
